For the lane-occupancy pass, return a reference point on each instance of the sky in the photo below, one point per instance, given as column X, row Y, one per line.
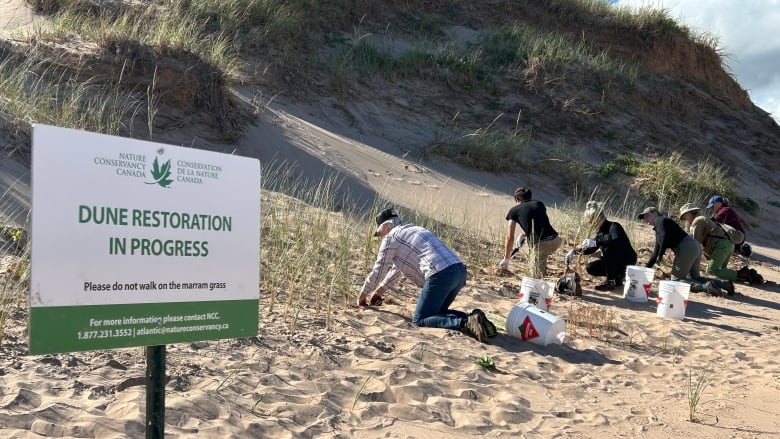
column 748, row 33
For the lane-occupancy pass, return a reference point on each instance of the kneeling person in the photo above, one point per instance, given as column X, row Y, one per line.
column 420, row 256
column 616, row 250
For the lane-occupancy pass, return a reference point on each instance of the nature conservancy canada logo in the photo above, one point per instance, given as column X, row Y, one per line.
column 160, row 170
column 161, row 174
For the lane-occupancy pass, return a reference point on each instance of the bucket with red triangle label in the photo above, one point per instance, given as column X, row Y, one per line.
column 530, row 323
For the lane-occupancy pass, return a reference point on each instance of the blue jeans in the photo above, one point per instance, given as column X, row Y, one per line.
column 436, row 296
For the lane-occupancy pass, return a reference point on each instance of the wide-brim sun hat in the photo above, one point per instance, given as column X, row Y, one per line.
column 688, row 207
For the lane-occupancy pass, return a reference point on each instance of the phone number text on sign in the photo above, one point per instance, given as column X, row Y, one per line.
column 106, row 333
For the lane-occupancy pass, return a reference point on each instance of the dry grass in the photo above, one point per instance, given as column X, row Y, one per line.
column 590, row 320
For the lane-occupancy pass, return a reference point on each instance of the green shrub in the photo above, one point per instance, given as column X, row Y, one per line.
column 669, row 182
column 605, row 171
column 749, row 205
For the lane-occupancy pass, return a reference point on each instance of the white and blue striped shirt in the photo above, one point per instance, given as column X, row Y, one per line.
column 412, row 251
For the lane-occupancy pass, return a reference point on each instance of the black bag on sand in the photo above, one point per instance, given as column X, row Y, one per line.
column 569, row 285
column 750, row 275
column 754, row 278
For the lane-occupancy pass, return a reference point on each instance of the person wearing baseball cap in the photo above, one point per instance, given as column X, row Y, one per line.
column 723, row 213
column 687, row 251
column 386, row 215
column 421, row 257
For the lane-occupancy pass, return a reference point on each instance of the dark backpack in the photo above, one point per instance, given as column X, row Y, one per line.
column 754, row 278
column 569, row 285
column 750, row 275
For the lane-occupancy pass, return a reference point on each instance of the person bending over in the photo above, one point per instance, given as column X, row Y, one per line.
column 540, row 235
column 725, row 214
column 687, row 252
column 716, row 246
column 417, row 254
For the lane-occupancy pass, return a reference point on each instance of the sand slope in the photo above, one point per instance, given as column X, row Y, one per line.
column 370, row 373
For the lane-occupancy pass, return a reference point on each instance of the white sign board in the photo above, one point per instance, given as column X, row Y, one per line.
column 138, row 243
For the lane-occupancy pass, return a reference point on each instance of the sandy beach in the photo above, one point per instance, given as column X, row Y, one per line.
column 621, row 371
column 373, row 374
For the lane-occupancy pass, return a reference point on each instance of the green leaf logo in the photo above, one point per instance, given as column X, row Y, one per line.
column 161, row 174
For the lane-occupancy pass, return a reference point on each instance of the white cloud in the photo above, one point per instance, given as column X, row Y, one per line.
column 747, row 34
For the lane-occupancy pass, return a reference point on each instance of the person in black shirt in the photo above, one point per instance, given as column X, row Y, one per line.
column 542, row 238
column 616, row 250
column 687, row 253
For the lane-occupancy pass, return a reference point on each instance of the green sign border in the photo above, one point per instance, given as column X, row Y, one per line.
column 90, row 327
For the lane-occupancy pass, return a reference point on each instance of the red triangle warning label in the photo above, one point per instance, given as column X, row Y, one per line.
column 527, row 330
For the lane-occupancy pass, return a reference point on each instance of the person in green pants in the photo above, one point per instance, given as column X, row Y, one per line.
column 715, row 243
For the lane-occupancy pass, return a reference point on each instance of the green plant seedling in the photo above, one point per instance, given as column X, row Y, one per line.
column 360, row 391
column 485, row 362
column 695, row 390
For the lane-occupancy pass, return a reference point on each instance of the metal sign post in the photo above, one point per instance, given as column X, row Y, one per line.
column 155, row 392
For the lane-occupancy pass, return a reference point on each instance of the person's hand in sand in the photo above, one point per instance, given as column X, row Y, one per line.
column 375, row 299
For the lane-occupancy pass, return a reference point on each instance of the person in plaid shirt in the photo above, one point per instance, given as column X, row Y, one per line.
column 416, row 253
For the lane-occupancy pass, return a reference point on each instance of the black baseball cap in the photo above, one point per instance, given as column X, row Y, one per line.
column 385, row 215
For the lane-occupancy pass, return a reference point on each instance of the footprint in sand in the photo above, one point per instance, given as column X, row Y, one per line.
column 24, row 399
column 413, row 168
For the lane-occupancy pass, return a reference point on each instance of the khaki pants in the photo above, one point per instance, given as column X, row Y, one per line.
column 539, row 252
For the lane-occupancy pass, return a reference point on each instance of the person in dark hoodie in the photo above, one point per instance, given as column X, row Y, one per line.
column 616, row 250
column 687, row 253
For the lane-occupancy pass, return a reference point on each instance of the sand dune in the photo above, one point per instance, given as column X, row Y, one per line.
column 370, row 373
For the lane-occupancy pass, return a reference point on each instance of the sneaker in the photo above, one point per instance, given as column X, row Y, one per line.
column 729, row 288
column 490, row 328
column 713, row 289
column 475, row 328
column 606, row 286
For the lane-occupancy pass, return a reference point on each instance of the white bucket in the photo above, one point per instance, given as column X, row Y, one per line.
column 636, row 287
column 530, row 323
column 672, row 299
column 536, row 292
